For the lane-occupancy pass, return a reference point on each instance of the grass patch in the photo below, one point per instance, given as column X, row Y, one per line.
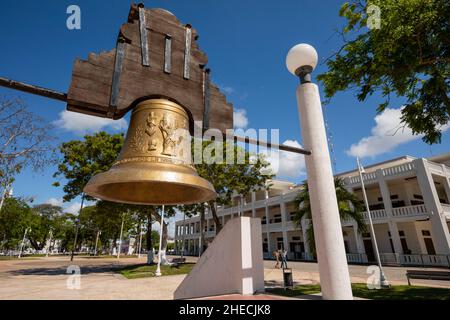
column 146, row 271
column 360, row 290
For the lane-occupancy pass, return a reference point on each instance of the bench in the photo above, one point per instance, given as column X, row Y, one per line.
column 427, row 275
column 178, row 260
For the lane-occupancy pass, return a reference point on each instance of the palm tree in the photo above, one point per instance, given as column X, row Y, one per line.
column 350, row 207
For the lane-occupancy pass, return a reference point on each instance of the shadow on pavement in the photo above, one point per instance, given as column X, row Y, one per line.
column 55, row 271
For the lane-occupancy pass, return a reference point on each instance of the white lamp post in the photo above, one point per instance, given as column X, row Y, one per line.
column 96, row 241
column 49, row 243
column 23, row 240
column 384, row 283
column 140, row 240
column 334, row 275
column 121, row 233
column 158, row 269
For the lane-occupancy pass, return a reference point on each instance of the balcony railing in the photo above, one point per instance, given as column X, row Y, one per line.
column 437, row 168
column 356, row 258
column 446, row 208
column 401, row 212
column 409, row 211
column 392, row 171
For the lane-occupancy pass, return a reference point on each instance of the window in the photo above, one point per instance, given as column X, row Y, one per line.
column 378, row 206
column 418, row 196
column 295, row 238
column 426, row 233
column 276, row 218
column 398, row 204
column 291, row 216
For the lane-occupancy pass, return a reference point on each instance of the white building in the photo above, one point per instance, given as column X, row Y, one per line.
column 409, row 201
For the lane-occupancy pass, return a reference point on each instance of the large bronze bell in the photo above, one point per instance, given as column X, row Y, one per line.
column 153, row 167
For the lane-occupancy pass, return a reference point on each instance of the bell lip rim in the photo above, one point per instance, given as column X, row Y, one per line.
column 209, row 190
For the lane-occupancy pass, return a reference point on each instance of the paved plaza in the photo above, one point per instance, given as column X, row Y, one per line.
column 46, row 278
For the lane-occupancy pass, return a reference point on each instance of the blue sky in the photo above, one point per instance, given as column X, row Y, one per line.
column 246, row 42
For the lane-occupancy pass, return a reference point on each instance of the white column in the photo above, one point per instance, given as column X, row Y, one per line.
column 267, row 223
column 358, row 236
column 359, row 240
column 447, row 187
column 283, row 223
column 253, row 204
column 439, row 229
column 333, row 267
column 393, row 229
column 305, row 225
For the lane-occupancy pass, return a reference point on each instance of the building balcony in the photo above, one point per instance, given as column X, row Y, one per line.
column 446, row 209
column 405, row 169
column 398, row 214
column 423, row 260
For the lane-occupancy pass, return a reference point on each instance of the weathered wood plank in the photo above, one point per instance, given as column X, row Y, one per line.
column 175, row 72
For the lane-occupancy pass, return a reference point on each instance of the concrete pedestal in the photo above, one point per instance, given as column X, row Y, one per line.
column 233, row 263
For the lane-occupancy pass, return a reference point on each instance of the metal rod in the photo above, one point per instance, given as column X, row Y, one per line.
column 270, row 145
column 383, row 281
column 21, row 86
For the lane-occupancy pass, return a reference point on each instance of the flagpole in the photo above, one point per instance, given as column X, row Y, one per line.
column 383, row 281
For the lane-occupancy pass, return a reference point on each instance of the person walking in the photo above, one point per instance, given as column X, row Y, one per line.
column 276, row 254
column 284, row 259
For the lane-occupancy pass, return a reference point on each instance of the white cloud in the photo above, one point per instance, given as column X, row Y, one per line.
column 81, row 123
column 227, row 90
column 55, row 202
column 74, row 208
column 287, row 164
column 387, row 134
column 240, row 120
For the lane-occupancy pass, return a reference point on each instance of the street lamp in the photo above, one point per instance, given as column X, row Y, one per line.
column 334, row 275
column 23, row 240
column 140, row 239
column 121, row 233
column 49, row 243
column 96, row 242
column 384, row 283
column 158, row 269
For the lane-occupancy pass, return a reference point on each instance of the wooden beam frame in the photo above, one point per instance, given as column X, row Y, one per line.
column 52, row 94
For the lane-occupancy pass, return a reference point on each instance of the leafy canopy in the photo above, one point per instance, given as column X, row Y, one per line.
column 82, row 159
column 350, row 207
column 408, row 56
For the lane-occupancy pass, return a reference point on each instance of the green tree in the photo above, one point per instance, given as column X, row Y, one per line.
column 408, row 56
column 82, row 159
column 15, row 217
column 238, row 178
column 350, row 207
column 44, row 220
